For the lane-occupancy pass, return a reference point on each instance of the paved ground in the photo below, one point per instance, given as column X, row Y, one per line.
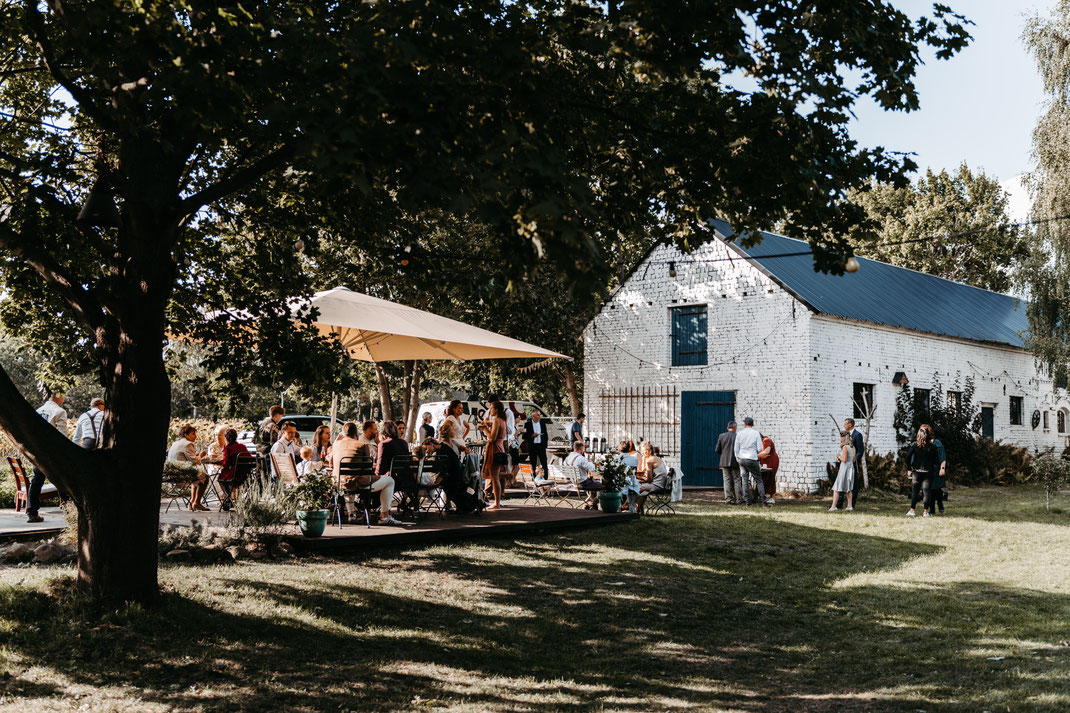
column 13, row 524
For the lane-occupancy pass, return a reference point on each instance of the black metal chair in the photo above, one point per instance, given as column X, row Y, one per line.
column 243, row 465
column 406, row 487
column 431, row 490
column 355, row 476
column 660, row 501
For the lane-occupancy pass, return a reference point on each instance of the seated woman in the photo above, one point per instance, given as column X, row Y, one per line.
column 183, row 451
column 228, row 477
column 349, row 445
column 321, row 446
column 629, row 456
column 659, row 482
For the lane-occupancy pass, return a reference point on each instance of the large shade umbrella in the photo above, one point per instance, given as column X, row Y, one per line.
column 372, row 329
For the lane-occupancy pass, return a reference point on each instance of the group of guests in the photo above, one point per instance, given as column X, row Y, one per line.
column 220, row 456
column 88, row 433
column 747, row 458
column 927, row 467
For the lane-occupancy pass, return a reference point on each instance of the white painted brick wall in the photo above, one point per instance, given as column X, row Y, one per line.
column 789, row 368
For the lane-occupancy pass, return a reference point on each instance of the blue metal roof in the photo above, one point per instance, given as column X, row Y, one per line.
column 885, row 294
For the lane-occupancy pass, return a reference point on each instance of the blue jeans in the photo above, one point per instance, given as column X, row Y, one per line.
column 749, row 469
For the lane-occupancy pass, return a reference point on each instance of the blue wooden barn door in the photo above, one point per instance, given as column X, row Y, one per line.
column 705, row 414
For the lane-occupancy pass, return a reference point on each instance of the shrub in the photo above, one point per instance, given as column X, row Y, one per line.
column 314, row 492
column 1052, row 473
column 614, row 474
column 263, row 508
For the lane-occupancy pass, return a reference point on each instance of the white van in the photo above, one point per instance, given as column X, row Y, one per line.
column 475, row 411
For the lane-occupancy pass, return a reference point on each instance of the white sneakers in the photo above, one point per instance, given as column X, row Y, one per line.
column 833, row 509
column 850, row 509
column 925, row 514
column 910, row 513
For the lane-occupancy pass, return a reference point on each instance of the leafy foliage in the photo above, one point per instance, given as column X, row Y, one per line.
column 614, row 474
column 1047, row 277
column 314, row 492
column 942, row 204
column 1053, row 474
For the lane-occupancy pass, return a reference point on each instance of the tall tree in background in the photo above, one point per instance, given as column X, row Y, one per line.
column 550, row 120
column 1047, row 279
column 940, row 204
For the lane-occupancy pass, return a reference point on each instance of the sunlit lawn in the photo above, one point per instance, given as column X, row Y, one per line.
column 788, row 609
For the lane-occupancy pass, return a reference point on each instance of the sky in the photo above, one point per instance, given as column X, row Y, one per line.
column 979, row 107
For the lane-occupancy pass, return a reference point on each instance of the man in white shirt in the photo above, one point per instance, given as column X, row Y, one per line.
column 586, row 468
column 288, row 444
column 53, row 412
column 87, row 432
column 535, row 441
column 748, row 445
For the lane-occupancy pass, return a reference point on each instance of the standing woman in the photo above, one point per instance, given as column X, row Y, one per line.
column 921, row 467
column 321, row 444
column 939, row 481
column 454, row 413
column 494, row 456
column 845, row 479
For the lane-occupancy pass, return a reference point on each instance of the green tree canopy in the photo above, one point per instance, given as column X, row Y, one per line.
column 942, row 204
column 550, row 121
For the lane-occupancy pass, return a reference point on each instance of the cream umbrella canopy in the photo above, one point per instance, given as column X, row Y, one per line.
column 376, row 330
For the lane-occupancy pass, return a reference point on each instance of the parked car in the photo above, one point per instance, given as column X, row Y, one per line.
column 476, row 411
column 306, row 426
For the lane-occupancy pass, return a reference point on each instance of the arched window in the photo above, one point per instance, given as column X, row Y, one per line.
column 1061, row 421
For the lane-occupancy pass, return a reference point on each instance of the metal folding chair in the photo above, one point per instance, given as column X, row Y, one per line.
column 355, row 475
column 536, row 493
column 244, row 465
column 406, row 488
column 659, row 502
column 564, row 486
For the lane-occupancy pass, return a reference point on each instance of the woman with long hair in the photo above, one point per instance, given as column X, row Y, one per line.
column 939, row 479
column 461, row 427
column 495, row 458
column 922, row 463
column 845, row 479
column 321, row 444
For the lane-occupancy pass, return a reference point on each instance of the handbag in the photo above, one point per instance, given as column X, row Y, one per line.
column 501, row 458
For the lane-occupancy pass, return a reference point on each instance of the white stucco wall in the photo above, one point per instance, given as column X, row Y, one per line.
column 757, row 338
column 790, row 368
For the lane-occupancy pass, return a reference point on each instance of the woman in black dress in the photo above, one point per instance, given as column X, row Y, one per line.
column 923, row 461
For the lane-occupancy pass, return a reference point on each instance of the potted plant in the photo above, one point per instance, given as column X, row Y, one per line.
column 614, row 477
column 310, row 498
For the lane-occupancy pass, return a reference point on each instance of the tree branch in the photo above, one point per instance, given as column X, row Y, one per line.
column 46, row 447
column 36, row 22
column 89, row 310
column 236, row 180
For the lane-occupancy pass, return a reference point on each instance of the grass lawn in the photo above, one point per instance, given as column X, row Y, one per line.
column 720, row 609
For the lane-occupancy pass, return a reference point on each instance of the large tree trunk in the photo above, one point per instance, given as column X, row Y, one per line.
column 573, row 392
column 384, row 393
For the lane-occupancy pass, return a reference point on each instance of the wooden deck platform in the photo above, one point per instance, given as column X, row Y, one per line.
column 431, row 529
column 511, row 519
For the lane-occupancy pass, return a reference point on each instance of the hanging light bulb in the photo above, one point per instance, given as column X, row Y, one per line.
column 299, row 245
column 99, row 209
column 852, row 264
column 672, row 269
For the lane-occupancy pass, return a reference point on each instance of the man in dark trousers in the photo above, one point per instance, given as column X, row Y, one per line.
column 726, row 446
column 535, row 442
column 860, row 452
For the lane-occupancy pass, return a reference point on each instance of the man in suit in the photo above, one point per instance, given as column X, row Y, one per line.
column 726, row 447
column 535, row 442
column 860, row 452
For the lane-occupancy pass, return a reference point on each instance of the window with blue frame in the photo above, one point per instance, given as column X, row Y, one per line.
column 688, row 335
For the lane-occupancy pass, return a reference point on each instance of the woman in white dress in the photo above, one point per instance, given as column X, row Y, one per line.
column 845, row 479
column 454, row 413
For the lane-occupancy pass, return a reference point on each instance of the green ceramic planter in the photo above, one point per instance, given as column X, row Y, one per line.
column 609, row 502
column 312, row 522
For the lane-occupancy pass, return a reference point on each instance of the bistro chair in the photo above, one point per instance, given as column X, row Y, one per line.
column 403, row 469
column 243, row 465
column 538, row 489
column 564, row 485
column 22, row 485
column 355, row 474
column 430, row 469
column 659, row 502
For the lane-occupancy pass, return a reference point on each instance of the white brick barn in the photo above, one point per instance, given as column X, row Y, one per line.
column 690, row 341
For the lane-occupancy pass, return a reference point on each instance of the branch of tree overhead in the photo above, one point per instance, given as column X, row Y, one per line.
column 36, row 22
column 235, row 181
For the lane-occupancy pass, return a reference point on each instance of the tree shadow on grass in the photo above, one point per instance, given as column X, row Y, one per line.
column 735, row 613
